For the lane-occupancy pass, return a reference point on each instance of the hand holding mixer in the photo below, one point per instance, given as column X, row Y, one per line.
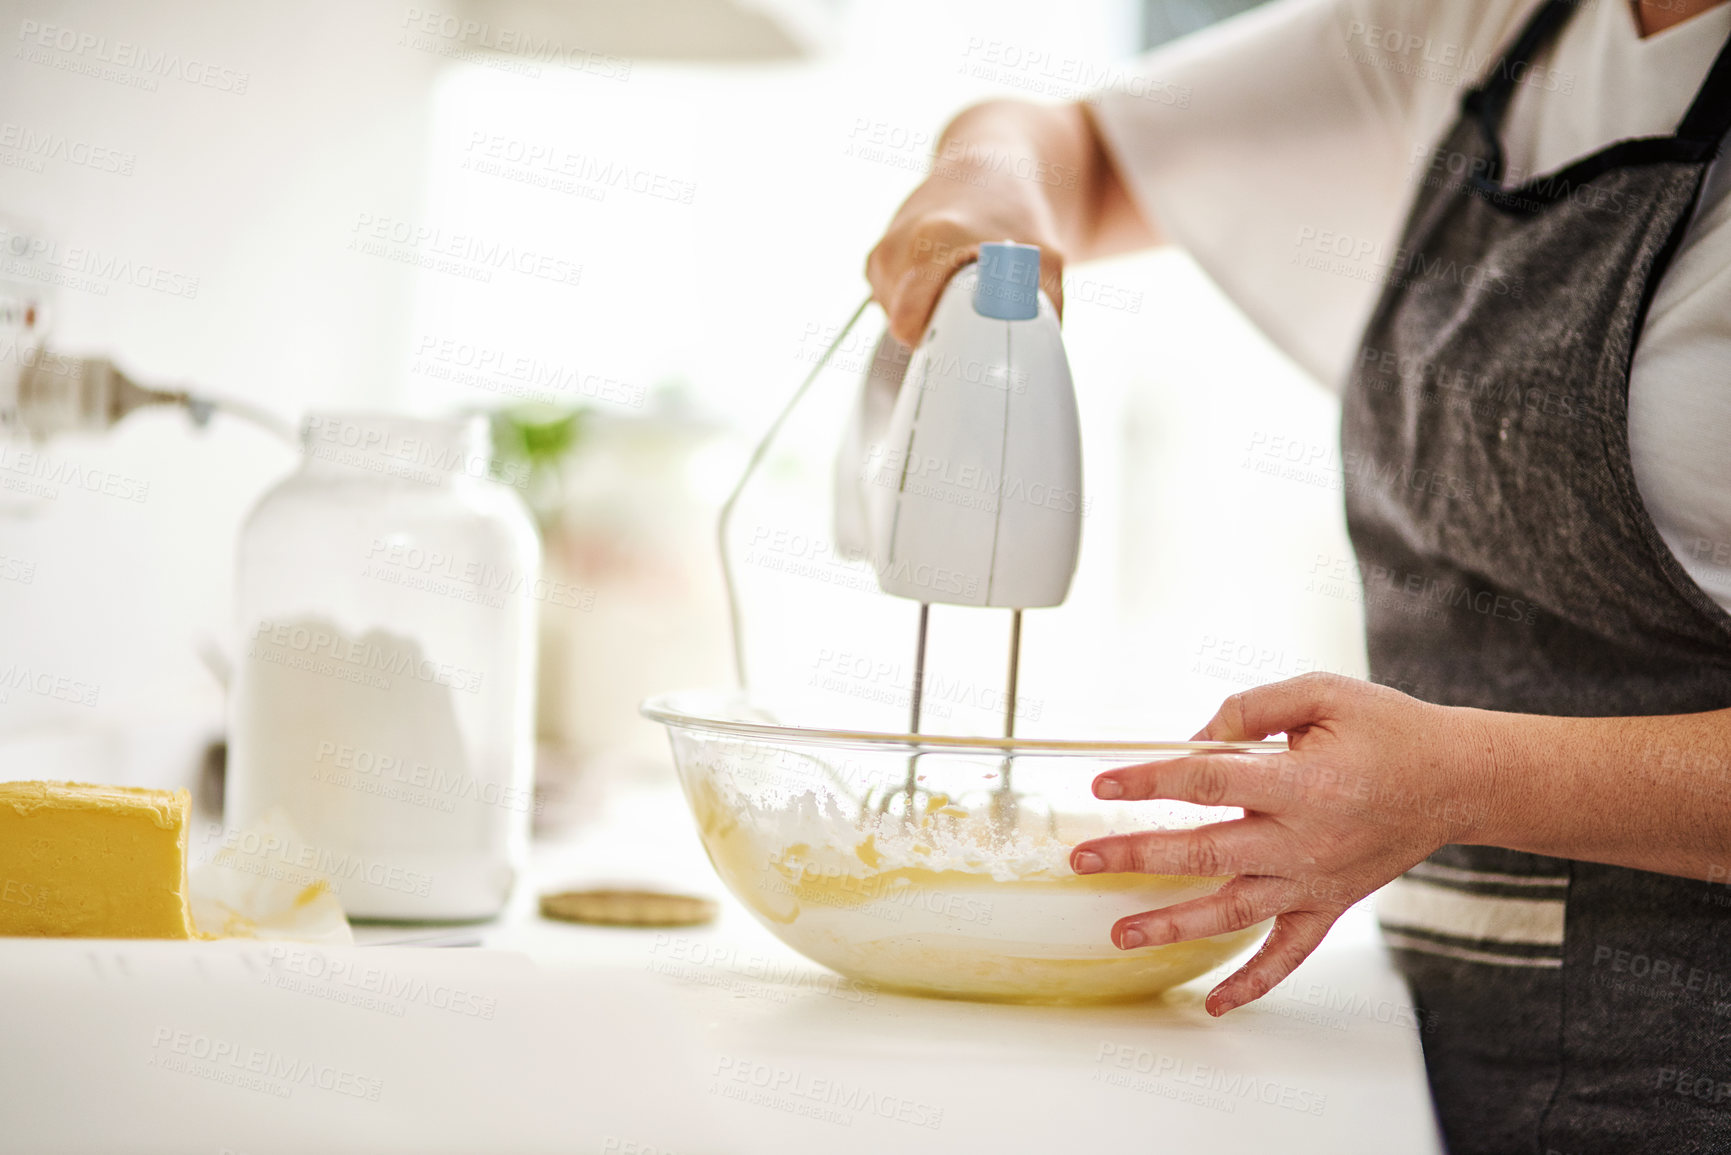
column 960, row 481
column 960, row 478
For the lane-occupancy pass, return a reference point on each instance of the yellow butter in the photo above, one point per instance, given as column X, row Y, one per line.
column 82, row 861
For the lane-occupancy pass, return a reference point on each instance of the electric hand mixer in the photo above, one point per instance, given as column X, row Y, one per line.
column 966, row 488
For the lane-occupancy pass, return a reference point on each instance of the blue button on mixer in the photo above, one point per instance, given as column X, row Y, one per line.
column 1009, row 285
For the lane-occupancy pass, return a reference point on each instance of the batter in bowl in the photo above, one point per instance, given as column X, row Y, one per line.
column 946, row 904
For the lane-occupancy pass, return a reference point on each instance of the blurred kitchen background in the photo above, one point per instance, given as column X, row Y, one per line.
column 692, row 187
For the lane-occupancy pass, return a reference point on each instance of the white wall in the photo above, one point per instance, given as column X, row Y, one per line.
column 252, row 193
column 791, row 172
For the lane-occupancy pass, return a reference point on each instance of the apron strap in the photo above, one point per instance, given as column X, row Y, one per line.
column 1709, row 117
column 1698, row 137
column 1490, row 98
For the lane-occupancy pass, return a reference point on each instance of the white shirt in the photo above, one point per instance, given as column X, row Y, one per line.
column 1303, row 129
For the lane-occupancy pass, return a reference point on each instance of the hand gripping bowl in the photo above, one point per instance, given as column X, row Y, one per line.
column 946, row 883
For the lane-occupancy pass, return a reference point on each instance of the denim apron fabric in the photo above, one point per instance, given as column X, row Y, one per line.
column 1509, row 564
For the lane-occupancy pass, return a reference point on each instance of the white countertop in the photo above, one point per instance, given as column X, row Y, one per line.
column 563, row 1038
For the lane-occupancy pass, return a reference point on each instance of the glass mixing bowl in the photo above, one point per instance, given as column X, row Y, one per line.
column 937, row 865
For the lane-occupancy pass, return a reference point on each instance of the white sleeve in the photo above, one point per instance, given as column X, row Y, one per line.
column 1281, row 147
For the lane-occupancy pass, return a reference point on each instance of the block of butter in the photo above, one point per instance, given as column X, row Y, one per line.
column 93, row 861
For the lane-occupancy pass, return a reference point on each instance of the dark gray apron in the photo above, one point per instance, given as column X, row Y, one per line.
column 1510, row 564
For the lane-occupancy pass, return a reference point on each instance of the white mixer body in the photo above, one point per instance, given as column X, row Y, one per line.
column 974, row 493
column 856, row 465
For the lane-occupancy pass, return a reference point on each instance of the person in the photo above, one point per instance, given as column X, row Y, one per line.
column 1499, row 224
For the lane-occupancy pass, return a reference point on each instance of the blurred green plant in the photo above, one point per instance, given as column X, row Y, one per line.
column 538, row 438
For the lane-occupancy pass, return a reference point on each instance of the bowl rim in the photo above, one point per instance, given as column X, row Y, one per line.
column 683, row 710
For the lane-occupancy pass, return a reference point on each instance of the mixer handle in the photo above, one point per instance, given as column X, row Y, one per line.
column 725, row 520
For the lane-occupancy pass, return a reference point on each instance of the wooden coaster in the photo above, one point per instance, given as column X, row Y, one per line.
column 627, row 908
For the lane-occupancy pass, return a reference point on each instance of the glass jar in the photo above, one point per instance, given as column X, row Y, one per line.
column 381, row 716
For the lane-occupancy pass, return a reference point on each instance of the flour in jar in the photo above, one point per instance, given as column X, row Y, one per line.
column 356, row 737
